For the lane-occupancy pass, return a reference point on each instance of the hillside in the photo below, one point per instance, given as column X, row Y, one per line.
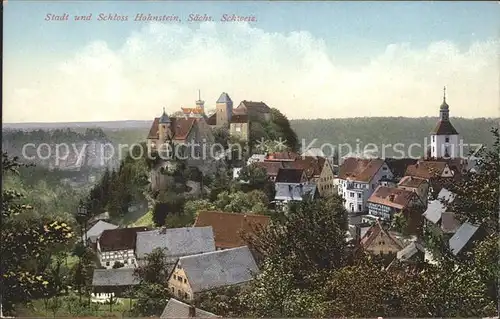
column 387, row 130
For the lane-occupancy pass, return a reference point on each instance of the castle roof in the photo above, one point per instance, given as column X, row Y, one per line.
column 224, row 98
column 181, row 127
column 164, row 117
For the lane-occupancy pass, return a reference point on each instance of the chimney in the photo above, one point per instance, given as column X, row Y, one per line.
column 192, row 311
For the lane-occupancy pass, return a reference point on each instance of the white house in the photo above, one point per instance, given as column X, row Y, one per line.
column 444, row 137
column 118, row 245
column 357, row 180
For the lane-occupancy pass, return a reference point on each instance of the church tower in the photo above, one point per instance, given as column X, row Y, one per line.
column 444, row 137
column 224, row 110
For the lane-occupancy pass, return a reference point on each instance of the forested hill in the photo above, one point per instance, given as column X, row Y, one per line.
column 388, row 130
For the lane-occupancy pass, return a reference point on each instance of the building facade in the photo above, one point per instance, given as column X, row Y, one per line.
column 358, row 178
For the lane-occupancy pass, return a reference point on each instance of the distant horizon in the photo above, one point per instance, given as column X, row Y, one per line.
column 298, row 119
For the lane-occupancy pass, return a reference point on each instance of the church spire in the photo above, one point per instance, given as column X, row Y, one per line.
column 444, row 94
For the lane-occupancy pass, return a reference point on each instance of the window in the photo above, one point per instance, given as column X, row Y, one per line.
column 384, row 168
column 447, row 139
column 433, row 149
column 185, row 295
column 178, row 266
column 125, row 262
column 359, row 195
column 173, row 290
column 351, row 194
column 433, row 138
column 238, row 128
column 175, row 277
column 185, row 280
column 179, row 278
column 107, row 263
column 359, row 207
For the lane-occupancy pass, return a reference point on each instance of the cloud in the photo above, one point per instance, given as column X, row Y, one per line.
column 164, row 65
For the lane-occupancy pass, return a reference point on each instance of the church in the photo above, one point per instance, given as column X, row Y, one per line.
column 445, row 142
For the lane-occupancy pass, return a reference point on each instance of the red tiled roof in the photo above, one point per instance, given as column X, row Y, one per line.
column 119, row 239
column 374, row 231
column 444, row 128
column 282, row 156
column 426, row 169
column 393, row 197
column 239, row 118
column 360, row 169
column 194, row 110
column 229, row 227
column 411, row 181
column 271, row 168
column 181, row 125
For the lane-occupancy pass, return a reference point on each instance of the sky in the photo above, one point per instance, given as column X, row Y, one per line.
column 308, row 59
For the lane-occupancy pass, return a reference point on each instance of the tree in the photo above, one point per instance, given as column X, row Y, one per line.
column 285, row 131
column 171, row 206
column 254, row 177
column 192, row 207
column 240, row 202
column 152, row 293
column 309, row 239
column 476, row 201
column 23, row 241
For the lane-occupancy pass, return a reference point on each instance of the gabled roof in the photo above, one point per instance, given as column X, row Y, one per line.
column 312, row 166
column 426, row 169
column 392, row 197
column 176, row 242
column 449, row 224
column 360, row 169
column 257, row 106
column 398, row 166
column 99, row 227
column 282, row 156
column 444, row 128
column 271, row 168
column 220, row 268
column 436, row 208
column 374, row 231
column 239, row 118
column 114, row 277
column 462, row 237
column 294, row 191
column 224, row 98
column 194, row 110
column 181, row 127
column 178, row 309
column 212, row 119
column 119, row 239
column 412, row 181
column 290, row 175
column 409, row 251
column 228, row 228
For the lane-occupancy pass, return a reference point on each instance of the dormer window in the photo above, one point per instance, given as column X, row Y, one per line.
column 447, row 139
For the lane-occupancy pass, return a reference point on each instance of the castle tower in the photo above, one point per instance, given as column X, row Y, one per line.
column 164, row 131
column 224, row 110
column 444, row 137
column 200, row 103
